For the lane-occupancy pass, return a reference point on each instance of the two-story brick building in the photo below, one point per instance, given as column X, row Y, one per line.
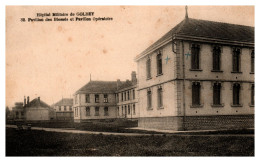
column 199, row 75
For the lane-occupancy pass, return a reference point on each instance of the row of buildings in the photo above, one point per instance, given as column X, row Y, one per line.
column 199, row 75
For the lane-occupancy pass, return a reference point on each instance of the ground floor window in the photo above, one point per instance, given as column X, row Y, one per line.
column 134, row 109
column 216, row 93
column 196, row 93
column 129, row 111
column 96, row 111
column 252, row 94
column 236, row 94
column 87, row 111
column 105, row 111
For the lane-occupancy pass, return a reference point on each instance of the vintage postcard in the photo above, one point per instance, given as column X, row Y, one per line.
column 130, row 80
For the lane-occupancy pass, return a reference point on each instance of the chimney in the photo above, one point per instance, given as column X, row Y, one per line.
column 134, row 79
column 24, row 101
column 118, row 83
column 28, row 100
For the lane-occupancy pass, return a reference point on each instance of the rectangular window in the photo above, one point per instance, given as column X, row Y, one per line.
column 87, row 98
column 122, row 96
column 117, row 97
column 70, row 108
column 96, row 98
column 134, row 109
column 87, row 111
column 160, row 97
column 129, row 111
column 59, row 108
column 252, row 61
column 133, row 94
column 236, row 60
column 122, row 110
column 125, row 96
column 125, row 110
column 118, row 111
column 148, row 68
column 105, row 111
column 236, row 94
column 105, row 98
column 96, row 111
column 128, row 95
column 216, row 93
column 216, row 58
column 252, row 94
column 149, row 99
column 159, row 64
column 65, row 108
column 195, row 56
column 196, row 93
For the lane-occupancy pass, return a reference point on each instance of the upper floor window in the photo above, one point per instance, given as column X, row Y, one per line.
column 133, row 94
column 122, row 96
column 195, row 57
column 236, row 94
column 105, row 111
column 252, row 61
column 149, row 99
column 148, row 68
column 105, row 98
column 236, row 60
column 216, row 58
column 59, row 108
column 96, row 111
column 87, row 98
column 196, row 93
column 96, row 98
column 160, row 97
column 128, row 95
column 159, row 64
column 125, row 96
column 216, row 93
column 65, row 108
column 87, row 111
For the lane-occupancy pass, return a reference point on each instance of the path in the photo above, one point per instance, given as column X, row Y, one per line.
column 160, row 132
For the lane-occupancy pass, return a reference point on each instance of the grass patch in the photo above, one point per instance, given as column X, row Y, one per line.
column 41, row 143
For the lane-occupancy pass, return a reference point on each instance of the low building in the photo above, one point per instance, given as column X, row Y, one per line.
column 63, row 109
column 18, row 112
column 37, row 110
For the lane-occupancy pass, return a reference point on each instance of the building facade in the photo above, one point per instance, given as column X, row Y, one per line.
column 95, row 100
column 99, row 100
column 199, row 75
column 127, row 98
column 63, row 109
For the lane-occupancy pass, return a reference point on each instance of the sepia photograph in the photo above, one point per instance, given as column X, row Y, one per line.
column 130, row 80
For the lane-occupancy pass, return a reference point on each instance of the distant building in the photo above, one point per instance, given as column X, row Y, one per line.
column 127, row 98
column 18, row 111
column 35, row 110
column 101, row 100
column 63, row 109
column 199, row 75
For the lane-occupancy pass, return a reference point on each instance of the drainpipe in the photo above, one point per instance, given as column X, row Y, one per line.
column 183, row 93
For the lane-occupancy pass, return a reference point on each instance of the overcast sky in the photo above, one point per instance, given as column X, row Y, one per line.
column 54, row 59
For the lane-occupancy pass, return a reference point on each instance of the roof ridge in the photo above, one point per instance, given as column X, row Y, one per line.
column 221, row 22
